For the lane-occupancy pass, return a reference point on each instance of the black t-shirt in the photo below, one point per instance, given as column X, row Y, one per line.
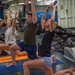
column 30, row 33
column 46, row 44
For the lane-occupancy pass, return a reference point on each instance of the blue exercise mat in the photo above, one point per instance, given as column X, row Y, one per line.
column 18, row 67
column 58, row 62
column 4, row 69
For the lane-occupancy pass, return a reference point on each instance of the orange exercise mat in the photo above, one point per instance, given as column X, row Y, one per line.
column 8, row 58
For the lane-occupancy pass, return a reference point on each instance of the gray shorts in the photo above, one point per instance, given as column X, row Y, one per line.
column 47, row 61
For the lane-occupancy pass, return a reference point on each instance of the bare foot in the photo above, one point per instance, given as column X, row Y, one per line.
column 54, row 58
column 71, row 70
column 11, row 64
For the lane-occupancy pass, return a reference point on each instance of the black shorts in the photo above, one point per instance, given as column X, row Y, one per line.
column 9, row 44
column 31, row 50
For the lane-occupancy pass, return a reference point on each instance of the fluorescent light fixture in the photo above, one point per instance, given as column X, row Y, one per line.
column 7, row 1
column 48, row 2
column 39, row 0
column 29, row 2
column 21, row 3
column 12, row 5
column 10, row 0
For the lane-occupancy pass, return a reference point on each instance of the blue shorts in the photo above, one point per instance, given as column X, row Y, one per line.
column 31, row 50
column 47, row 61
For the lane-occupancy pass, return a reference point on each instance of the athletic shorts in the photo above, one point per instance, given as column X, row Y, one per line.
column 47, row 61
column 31, row 50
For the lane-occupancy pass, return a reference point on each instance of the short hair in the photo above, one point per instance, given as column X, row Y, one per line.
column 29, row 13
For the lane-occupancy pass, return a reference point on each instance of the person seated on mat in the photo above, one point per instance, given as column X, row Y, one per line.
column 10, row 35
column 29, row 42
column 45, row 61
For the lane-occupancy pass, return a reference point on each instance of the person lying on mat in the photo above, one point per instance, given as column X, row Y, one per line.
column 10, row 35
column 45, row 61
column 29, row 43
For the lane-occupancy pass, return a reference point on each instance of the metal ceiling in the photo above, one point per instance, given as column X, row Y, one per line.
column 23, row 1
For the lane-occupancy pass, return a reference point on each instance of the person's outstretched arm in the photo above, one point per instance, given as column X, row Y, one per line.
column 14, row 20
column 34, row 17
column 44, row 17
column 51, row 27
column 1, row 23
column 8, row 18
column 26, row 7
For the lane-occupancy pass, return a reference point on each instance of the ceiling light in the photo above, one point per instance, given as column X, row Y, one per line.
column 21, row 3
column 12, row 4
column 39, row 0
column 7, row 1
